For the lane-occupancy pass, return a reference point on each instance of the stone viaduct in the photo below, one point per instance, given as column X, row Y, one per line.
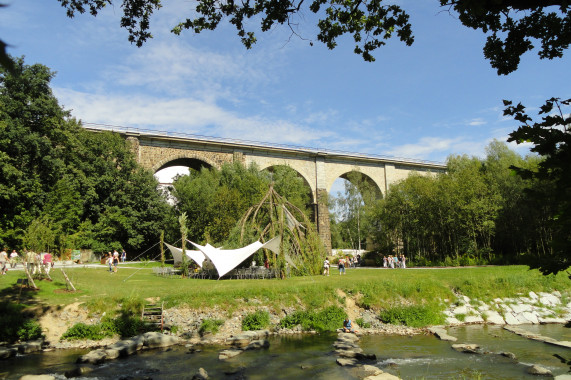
column 319, row 168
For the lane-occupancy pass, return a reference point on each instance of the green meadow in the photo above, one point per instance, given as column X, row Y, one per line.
column 376, row 289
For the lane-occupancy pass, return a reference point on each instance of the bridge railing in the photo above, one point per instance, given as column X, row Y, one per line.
column 252, row 143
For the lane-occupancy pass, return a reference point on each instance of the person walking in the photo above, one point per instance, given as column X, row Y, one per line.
column 3, row 260
column 326, row 267
column 13, row 259
column 341, row 265
column 115, row 260
column 123, row 256
column 110, row 261
column 47, row 262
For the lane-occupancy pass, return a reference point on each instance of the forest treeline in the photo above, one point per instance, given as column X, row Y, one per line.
column 477, row 212
column 63, row 187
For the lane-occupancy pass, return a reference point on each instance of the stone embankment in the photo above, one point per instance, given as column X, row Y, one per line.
column 534, row 308
column 531, row 309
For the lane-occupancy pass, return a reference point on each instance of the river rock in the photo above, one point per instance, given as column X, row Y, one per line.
column 227, row 354
column 155, row 339
column 473, row 319
column 347, row 362
column 511, row 319
column 368, row 370
column 467, row 348
column 382, row 376
column 30, row 346
column 549, row 299
column 538, row 370
column 200, row 375
column 510, row 355
column 344, row 345
column 442, row 334
column 78, row 371
column 258, row 344
column 494, row 317
column 6, row 352
column 93, row 357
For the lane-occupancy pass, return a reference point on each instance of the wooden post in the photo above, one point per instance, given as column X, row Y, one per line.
column 30, row 279
column 46, row 272
column 67, row 280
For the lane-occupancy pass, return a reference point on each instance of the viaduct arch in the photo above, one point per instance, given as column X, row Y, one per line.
column 319, row 168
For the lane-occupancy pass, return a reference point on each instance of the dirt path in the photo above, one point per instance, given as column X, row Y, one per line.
column 351, row 308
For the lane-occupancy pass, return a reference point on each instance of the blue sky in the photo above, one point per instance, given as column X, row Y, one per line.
column 435, row 98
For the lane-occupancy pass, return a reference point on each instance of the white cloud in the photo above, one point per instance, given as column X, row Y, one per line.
column 476, row 122
column 187, row 115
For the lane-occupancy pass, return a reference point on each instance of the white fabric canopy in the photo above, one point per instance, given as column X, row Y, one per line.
column 226, row 260
column 197, row 256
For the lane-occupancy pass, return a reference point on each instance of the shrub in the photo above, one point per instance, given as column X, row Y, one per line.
column 210, row 326
column 14, row 327
column 413, row 316
column 257, row 320
column 328, row 319
column 362, row 323
column 82, row 331
column 30, row 330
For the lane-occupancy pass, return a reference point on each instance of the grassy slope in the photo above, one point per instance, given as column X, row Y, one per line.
column 374, row 288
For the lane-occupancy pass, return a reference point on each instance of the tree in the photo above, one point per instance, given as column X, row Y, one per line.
column 85, row 187
column 215, row 200
column 552, row 140
column 351, row 208
column 520, row 22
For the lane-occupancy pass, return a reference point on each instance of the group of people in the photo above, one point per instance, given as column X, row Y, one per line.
column 34, row 262
column 394, row 261
column 113, row 259
column 4, row 259
column 343, row 263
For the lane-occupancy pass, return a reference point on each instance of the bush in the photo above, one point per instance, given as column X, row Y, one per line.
column 257, row 320
column 210, row 326
column 82, row 331
column 30, row 330
column 413, row 316
column 328, row 319
column 362, row 323
column 14, row 327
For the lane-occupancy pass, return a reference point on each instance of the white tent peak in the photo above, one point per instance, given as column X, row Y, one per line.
column 225, row 260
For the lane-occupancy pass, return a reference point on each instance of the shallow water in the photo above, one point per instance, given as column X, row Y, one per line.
column 311, row 356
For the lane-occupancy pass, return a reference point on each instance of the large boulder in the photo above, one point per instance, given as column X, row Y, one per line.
column 155, row 339
column 538, row 370
column 258, row 344
column 93, row 357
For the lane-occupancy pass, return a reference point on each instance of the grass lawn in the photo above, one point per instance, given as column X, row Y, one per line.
column 372, row 288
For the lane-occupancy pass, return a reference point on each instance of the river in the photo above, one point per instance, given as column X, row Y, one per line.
column 311, row 356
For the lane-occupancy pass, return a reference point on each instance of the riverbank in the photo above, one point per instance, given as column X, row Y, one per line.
column 376, row 298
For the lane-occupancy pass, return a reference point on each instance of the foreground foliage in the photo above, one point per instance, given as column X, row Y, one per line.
column 511, row 25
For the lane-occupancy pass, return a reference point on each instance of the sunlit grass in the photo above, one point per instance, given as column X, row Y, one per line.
column 377, row 289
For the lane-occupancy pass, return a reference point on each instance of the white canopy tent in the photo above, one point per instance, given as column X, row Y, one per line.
column 197, row 256
column 226, row 260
